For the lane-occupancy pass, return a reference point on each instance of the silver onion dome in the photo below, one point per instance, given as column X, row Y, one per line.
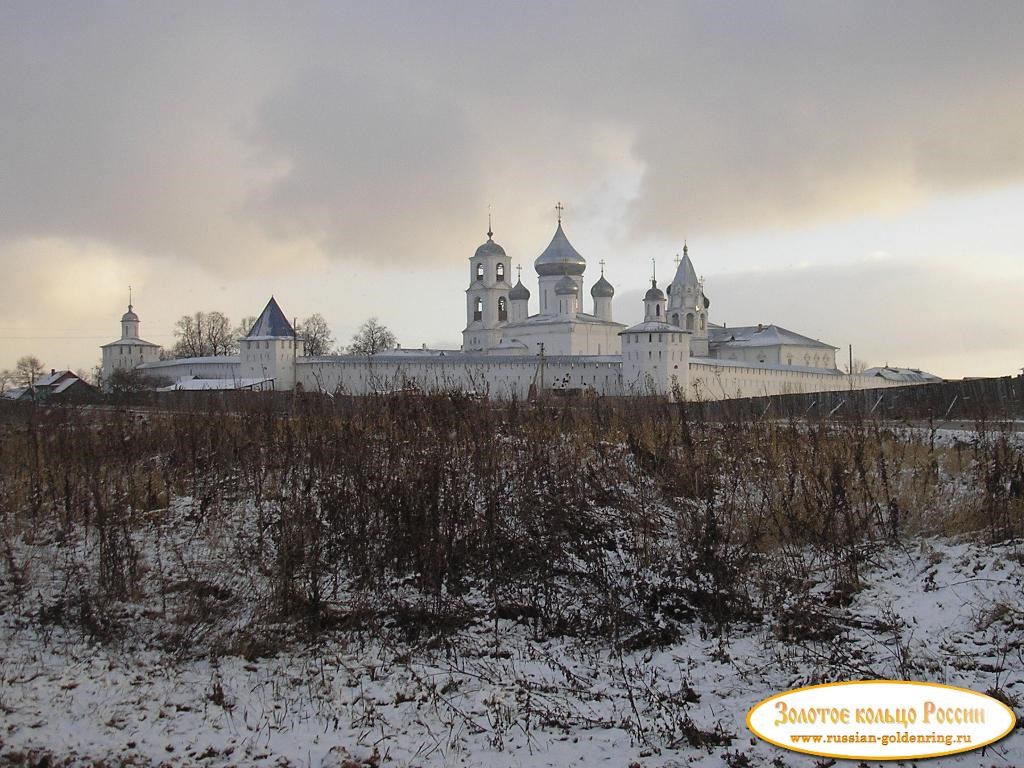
column 560, row 258
column 519, row 292
column 566, row 287
column 654, row 293
column 490, row 248
column 602, row 289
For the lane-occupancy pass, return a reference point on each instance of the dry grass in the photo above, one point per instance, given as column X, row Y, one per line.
column 628, row 519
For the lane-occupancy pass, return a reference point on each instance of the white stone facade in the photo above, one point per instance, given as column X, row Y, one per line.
column 129, row 351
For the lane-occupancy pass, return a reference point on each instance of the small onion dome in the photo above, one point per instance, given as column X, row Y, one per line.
column 560, row 258
column 519, row 292
column 129, row 316
column 566, row 287
column 490, row 248
column 654, row 293
column 602, row 289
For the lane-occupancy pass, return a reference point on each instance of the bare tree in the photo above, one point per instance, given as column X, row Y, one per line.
column 219, row 335
column 243, row 327
column 127, row 380
column 859, row 366
column 27, row 370
column 317, row 335
column 6, row 378
column 371, row 338
column 204, row 334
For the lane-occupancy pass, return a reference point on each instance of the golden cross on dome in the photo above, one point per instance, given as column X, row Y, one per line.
column 559, row 208
column 601, row 262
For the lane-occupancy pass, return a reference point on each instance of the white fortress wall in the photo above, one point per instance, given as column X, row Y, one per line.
column 507, row 377
column 497, row 377
column 220, row 367
column 723, row 379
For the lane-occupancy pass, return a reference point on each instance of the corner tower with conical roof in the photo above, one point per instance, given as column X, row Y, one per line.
column 269, row 349
column 487, row 298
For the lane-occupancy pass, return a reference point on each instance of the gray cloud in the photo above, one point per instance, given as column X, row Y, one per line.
column 282, row 139
column 213, row 132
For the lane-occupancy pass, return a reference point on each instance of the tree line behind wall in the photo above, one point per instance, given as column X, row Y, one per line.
column 209, row 334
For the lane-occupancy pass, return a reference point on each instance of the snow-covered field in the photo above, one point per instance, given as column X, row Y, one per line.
column 493, row 695
column 386, row 584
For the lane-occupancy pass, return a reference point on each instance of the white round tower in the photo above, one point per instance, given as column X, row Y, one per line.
column 487, row 298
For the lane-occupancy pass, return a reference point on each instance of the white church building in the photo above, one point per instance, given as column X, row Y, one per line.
column 509, row 352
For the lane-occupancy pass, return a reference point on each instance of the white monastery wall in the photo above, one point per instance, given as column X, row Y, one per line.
column 721, row 380
column 227, row 367
column 497, row 377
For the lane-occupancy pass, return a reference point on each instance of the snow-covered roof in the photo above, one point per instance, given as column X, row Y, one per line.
column 195, row 385
column 63, row 385
column 761, row 336
column 910, row 375
column 542, row 319
column 212, row 359
column 130, row 342
column 509, row 346
column 53, row 377
column 717, row 361
column 15, row 394
column 271, row 323
column 653, row 326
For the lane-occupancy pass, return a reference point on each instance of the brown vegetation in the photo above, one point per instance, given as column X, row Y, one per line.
column 626, row 519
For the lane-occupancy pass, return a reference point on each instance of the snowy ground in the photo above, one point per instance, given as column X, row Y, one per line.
column 943, row 611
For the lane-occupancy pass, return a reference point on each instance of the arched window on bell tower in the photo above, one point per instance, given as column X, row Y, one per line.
column 502, row 308
column 478, row 309
column 499, row 272
column 479, row 270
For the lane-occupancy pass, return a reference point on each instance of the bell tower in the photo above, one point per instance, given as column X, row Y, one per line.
column 487, row 298
column 687, row 304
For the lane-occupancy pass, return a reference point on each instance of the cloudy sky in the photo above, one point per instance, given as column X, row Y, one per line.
column 852, row 171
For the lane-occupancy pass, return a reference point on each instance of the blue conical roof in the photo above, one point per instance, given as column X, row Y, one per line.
column 271, row 322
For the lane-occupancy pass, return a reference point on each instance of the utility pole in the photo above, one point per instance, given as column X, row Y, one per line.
column 541, row 388
column 850, row 369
